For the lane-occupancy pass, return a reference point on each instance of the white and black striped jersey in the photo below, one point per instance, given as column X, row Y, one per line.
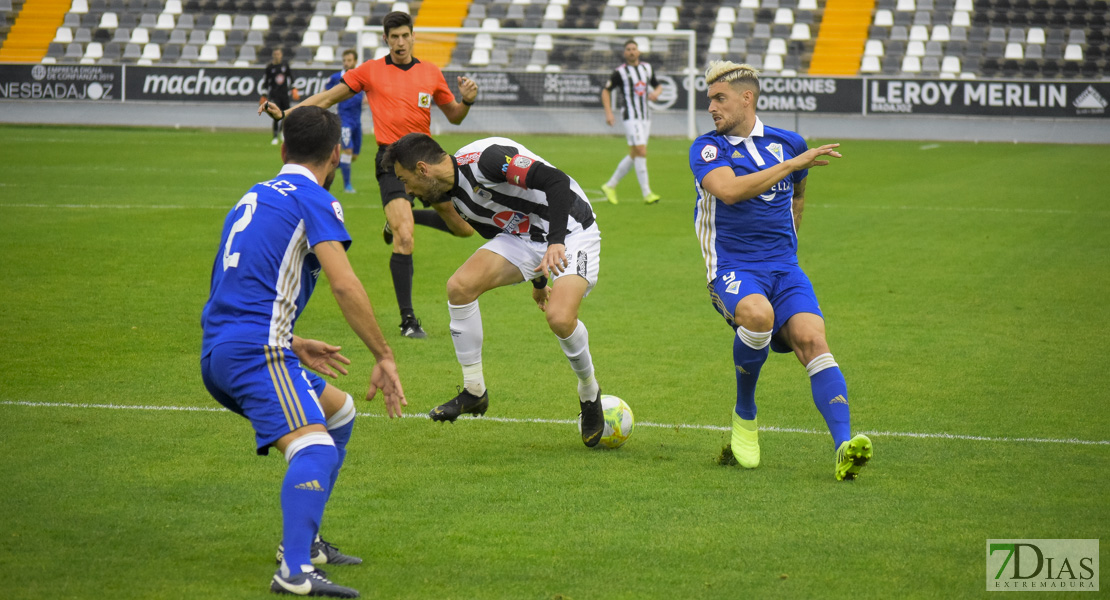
column 634, row 84
column 503, row 187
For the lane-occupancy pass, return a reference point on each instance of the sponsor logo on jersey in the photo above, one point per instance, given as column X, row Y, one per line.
column 505, row 167
column 583, row 260
column 483, row 193
column 425, row 100
column 338, row 208
column 511, row 221
column 522, row 162
column 709, row 153
column 736, row 154
column 640, row 88
column 733, row 287
column 775, row 149
column 467, row 159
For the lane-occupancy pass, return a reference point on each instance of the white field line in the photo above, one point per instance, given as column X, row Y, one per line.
column 771, row 429
column 593, row 195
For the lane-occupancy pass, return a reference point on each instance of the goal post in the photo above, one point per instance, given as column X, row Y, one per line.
column 534, row 80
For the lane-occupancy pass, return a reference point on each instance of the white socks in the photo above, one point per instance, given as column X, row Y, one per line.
column 641, row 174
column 577, row 349
column 466, row 334
column 820, row 363
column 756, row 340
column 622, row 169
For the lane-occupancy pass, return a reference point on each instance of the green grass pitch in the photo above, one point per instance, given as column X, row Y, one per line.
column 966, row 289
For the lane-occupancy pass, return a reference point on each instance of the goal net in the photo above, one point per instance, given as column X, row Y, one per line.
column 550, row 80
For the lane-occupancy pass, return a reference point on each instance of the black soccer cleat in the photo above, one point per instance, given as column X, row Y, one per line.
column 463, row 404
column 592, row 420
column 323, row 553
column 313, row 583
column 410, row 328
column 387, row 234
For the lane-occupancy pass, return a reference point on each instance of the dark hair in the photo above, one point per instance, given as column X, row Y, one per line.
column 352, row 52
column 311, row 135
column 630, row 41
column 396, row 19
column 413, row 148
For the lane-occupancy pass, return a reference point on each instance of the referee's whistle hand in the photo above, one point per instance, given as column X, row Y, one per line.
column 468, row 88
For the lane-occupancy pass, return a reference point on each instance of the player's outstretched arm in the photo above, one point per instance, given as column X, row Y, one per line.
column 325, row 99
column 356, row 308
column 730, row 188
column 456, row 110
column 320, row 356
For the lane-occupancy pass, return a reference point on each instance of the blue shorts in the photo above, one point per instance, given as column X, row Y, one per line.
column 265, row 384
column 785, row 286
column 350, row 137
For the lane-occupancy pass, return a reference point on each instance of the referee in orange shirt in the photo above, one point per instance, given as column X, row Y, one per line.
column 400, row 91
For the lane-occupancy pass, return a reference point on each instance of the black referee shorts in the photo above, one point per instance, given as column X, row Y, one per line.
column 390, row 187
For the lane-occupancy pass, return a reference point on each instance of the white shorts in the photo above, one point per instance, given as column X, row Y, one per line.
column 583, row 254
column 636, row 131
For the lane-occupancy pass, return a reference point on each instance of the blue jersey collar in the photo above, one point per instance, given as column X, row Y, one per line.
column 294, row 169
column 757, row 131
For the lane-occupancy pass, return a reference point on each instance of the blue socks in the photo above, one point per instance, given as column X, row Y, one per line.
column 340, row 426
column 830, row 394
column 345, row 167
column 749, row 352
column 304, row 493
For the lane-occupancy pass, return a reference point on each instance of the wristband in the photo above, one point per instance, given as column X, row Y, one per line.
column 467, row 103
column 540, row 282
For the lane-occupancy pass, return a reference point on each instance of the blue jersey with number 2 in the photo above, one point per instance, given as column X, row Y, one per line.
column 265, row 268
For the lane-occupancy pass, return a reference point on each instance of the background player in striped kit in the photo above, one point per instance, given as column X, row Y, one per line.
column 275, row 242
column 751, row 184
column 401, row 91
column 538, row 222
column 633, row 80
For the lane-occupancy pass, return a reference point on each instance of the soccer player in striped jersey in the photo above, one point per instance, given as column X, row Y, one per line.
column 401, row 91
column 350, row 113
column 276, row 240
column 751, row 183
column 538, row 223
column 635, row 80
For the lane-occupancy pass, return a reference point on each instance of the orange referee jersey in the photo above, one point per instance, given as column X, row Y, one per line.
column 400, row 96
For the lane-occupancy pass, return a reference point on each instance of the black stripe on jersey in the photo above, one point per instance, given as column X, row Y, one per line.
column 633, row 106
column 580, row 211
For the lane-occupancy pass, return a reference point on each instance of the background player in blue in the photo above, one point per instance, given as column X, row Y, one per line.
column 274, row 244
column 751, row 181
column 350, row 113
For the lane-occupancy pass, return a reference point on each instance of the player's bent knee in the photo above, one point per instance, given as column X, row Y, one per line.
column 459, row 293
column 313, row 437
column 756, row 316
column 562, row 322
column 344, row 415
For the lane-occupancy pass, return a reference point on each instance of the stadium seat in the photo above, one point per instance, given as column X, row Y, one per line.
column 668, row 14
column 325, row 54
column 82, row 36
column 260, row 23
column 79, row 7
column 722, row 30
column 873, row 48
column 940, row 33
column 950, row 64
column 870, row 64
column 1034, row 52
column 784, row 16
column 165, row 21
column 93, row 52
column 630, row 14
column 718, row 46
column 64, row 35
column 915, row 48
column 189, row 54
column 933, row 49
column 323, row 7
column 108, row 20
column 800, row 31
column 776, row 46
column 355, row 23
column 1035, row 35
column 208, row 54
column 318, row 23
column 884, row 18
column 197, row 37
column 1013, row 52
column 344, row 8
column 247, row 55
column 140, row 36
column 906, row 6
column 479, row 57
column 961, row 19
column 1073, row 52
column 773, row 62
column 216, row 37
column 222, row 22
column 919, row 33
column 311, row 39
column 151, row 52
column 121, row 35
column 726, row 14
column 911, row 64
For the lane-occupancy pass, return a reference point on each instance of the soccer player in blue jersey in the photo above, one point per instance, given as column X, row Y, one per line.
column 751, row 182
column 350, row 113
column 275, row 242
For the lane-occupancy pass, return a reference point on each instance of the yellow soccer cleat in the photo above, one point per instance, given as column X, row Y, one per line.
column 851, row 456
column 610, row 194
column 745, row 441
column 652, row 198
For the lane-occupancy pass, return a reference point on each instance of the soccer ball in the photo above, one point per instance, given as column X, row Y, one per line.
column 619, row 422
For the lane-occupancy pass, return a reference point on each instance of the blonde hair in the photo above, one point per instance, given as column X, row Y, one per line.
column 724, row 71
